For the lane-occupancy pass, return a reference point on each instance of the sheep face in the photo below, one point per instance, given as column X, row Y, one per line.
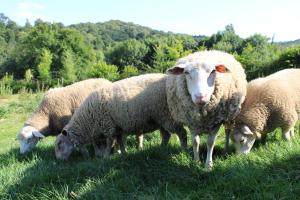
column 243, row 139
column 28, row 138
column 63, row 147
column 200, row 78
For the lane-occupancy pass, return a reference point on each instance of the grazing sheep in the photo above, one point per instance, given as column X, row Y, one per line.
column 204, row 90
column 55, row 111
column 133, row 105
column 271, row 102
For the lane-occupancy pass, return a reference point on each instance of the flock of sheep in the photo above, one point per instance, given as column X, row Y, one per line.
column 202, row 91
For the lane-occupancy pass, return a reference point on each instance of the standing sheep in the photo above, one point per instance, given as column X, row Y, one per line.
column 204, row 90
column 271, row 102
column 136, row 104
column 55, row 111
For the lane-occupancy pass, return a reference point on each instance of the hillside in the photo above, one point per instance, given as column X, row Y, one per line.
column 104, row 34
column 289, row 43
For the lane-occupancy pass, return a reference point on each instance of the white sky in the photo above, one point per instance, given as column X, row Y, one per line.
column 280, row 18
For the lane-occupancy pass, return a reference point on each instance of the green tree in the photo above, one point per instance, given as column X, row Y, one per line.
column 104, row 70
column 129, row 71
column 44, row 66
column 129, row 52
column 226, row 40
column 166, row 51
column 56, row 38
column 288, row 58
column 67, row 72
column 257, row 55
column 28, row 75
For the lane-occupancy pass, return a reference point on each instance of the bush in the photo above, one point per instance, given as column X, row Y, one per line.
column 5, row 84
column 129, row 52
column 104, row 70
column 290, row 58
column 129, row 71
column 28, row 75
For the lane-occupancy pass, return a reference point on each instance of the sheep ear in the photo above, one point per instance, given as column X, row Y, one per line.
column 177, row 70
column 221, row 68
column 37, row 134
column 64, row 132
column 246, row 130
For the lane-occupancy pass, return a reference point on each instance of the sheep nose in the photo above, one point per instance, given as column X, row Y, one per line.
column 201, row 98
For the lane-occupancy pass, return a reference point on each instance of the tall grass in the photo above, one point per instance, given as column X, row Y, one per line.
column 5, row 89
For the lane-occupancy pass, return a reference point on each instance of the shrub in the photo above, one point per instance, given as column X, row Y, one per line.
column 104, row 70
column 129, row 71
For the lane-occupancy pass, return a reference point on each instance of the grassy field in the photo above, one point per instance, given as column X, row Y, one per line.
column 270, row 171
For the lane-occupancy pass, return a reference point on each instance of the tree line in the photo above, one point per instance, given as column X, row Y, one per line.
column 50, row 53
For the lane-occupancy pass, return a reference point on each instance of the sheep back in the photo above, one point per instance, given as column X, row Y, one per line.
column 59, row 104
column 125, row 107
column 271, row 101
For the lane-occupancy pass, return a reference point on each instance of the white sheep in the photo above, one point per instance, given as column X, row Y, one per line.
column 204, row 90
column 271, row 102
column 136, row 104
column 55, row 111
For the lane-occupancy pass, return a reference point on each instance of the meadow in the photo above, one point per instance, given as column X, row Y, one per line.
column 270, row 171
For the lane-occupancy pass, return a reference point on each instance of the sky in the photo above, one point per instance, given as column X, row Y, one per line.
column 273, row 18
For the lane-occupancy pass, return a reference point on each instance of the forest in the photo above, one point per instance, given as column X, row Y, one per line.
column 42, row 55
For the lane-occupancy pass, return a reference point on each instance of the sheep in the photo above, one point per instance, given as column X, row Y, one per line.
column 54, row 112
column 271, row 102
column 136, row 104
column 204, row 90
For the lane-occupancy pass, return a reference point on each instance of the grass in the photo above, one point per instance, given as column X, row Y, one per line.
column 270, row 171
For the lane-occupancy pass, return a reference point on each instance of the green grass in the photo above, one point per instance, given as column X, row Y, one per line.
column 270, row 171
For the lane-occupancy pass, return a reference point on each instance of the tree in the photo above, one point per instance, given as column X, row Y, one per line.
column 28, row 75
column 67, row 72
column 55, row 38
column 129, row 71
column 257, row 55
column 44, row 66
column 166, row 51
column 104, row 70
column 226, row 40
column 129, row 52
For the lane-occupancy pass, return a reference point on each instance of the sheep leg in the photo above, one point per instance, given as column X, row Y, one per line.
column 196, row 143
column 98, row 150
column 99, row 146
column 121, row 144
column 84, row 152
column 139, row 139
column 292, row 132
column 181, row 133
column 165, row 137
column 288, row 128
column 227, row 135
column 286, row 136
column 109, row 146
column 210, row 147
column 263, row 139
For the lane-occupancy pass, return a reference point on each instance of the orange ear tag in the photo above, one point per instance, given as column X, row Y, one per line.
column 221, row 68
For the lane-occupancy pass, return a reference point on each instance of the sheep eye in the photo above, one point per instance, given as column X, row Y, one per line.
column 242, row 140
column 186, row 72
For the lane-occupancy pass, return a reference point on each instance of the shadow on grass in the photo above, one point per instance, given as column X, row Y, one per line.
column 153, row 173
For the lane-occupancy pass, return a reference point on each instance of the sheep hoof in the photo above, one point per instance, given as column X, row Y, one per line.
column 209, row 167
column 196, row 158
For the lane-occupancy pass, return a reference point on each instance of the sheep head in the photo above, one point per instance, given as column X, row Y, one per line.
column 243, row 139
column 200, row 78
column 28, row 138
column 63, row 146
